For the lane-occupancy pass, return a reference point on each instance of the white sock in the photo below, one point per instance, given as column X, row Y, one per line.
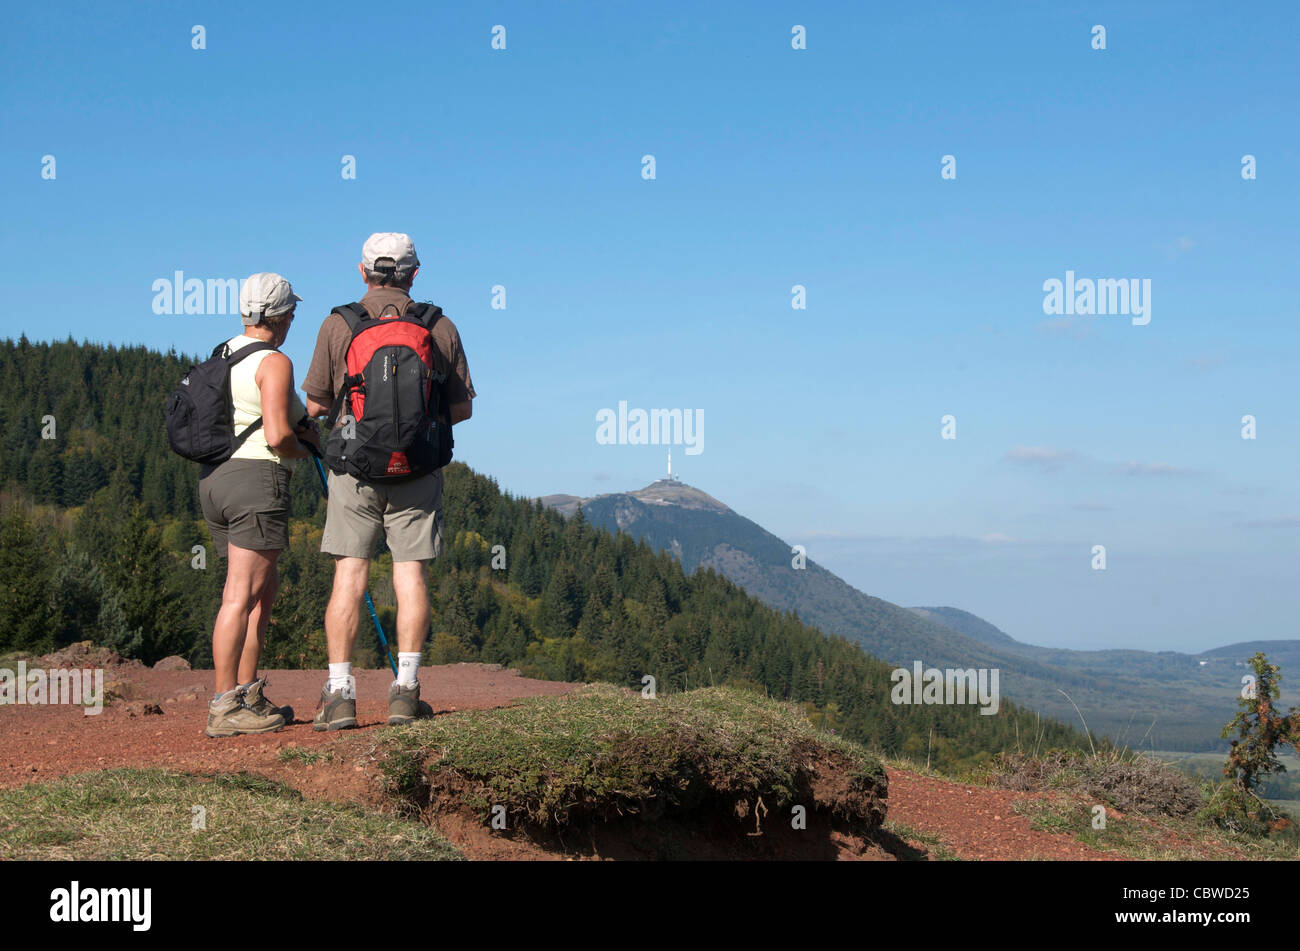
column 340, row 675
column 408, row 665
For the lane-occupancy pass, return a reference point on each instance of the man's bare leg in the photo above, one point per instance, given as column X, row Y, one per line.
column 412, row 591
column 343, row 613
column 412, row 627
column 338, row 709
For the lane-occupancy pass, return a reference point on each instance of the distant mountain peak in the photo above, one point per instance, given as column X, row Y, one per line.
column 673, row 492
column 660, row 492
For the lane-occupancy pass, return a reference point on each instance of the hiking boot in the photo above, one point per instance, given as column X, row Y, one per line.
column 404, row 705
column 337, row 709
column 256, row 701
column 227, row 716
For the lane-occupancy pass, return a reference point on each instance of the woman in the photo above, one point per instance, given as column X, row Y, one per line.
column 245, row 502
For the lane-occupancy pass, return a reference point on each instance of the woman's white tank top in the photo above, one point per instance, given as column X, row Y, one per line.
column 247, row 399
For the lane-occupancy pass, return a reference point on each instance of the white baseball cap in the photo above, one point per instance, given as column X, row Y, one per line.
column 389, row 244
column 265, row 294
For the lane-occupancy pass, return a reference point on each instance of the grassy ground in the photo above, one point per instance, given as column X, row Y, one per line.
column 1159, row 809
column 151, row 814
column 296, row 754
column 1289, row 806
column 603, row 752
column 932, row 843
column 1165, row 838
column 1153, row 809
column 1283, row 788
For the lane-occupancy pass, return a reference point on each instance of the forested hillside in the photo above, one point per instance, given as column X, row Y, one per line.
column 100, row 528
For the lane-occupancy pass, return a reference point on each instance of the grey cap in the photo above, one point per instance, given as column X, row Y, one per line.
column 392, row 245
column 265, row 294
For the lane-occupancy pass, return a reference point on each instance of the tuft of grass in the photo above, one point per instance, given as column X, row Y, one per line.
column 933, row 844
column 967, row 776
column 296, row 754
column 1150, row 838
column 135, row 814
column 1130, row 782
column 603, row 752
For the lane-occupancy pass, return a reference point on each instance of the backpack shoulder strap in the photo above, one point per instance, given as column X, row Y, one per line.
column 248, row 431
column 427, row 314
column 247, row 351
column 354, row 313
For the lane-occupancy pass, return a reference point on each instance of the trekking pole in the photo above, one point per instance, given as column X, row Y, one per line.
column 379, row 628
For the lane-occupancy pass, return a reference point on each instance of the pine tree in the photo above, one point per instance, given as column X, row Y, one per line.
column 45, row 475
column 25, row 616
column 1260, row 729
column 138, row 573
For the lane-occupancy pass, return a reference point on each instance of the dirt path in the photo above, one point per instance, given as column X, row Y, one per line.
column 976, row 822
column 47, row 741
column 42, row 742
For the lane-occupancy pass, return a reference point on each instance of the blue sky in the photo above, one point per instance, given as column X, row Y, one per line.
column 774, row 167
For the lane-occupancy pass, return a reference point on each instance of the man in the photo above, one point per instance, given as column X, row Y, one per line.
column 406, row 513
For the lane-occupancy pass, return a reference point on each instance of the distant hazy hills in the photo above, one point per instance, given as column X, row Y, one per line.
column 1285, row 653
column 963, row 622
column 1120, row 692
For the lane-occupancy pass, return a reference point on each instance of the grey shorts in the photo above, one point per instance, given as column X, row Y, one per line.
column 407, row 514
column 246, row 504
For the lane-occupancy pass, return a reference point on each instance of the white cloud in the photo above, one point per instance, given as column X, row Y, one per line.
column 1043, row 457
column 1152, row 469
column 1177, row 247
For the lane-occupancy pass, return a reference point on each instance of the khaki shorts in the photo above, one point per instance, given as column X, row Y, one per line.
column 246, row 504
column 408, row 514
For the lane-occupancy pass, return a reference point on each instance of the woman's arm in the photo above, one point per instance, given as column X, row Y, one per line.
column 275, row 382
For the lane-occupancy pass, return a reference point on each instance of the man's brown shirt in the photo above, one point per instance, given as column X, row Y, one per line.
column 328, row 367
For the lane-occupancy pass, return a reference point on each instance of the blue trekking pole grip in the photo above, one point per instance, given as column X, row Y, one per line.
column 379, row 628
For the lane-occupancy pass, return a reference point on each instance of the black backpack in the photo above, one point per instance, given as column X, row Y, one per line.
column 201, row 411
column 400, row 424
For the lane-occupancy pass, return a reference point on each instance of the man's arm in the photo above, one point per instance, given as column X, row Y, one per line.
column 319, row 383
column 461, row 389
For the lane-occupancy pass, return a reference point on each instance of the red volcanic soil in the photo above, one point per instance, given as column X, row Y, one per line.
column 42, row 742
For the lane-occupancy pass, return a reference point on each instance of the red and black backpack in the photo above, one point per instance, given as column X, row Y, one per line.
column 390, row 420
